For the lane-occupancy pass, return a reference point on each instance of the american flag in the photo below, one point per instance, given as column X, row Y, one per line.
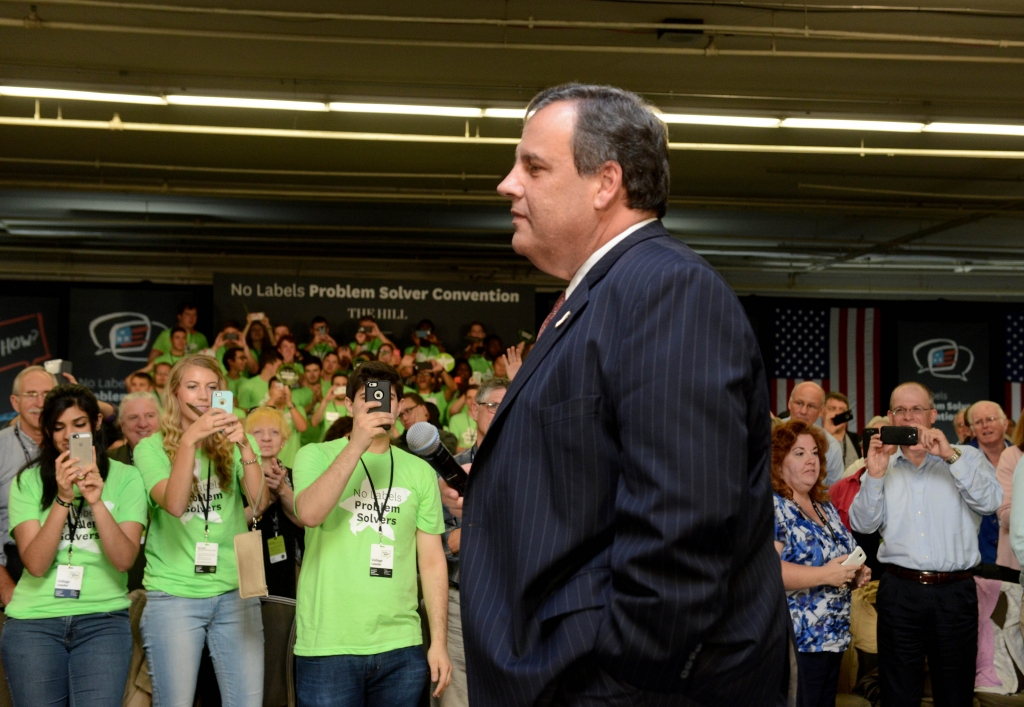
column 1014, row 362
column 837, row 348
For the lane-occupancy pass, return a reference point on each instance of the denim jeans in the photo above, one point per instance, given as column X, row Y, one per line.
column 174, row 630
column 393, row 679
column 79, row 660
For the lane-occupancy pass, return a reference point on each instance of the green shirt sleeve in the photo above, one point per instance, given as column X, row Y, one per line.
column 23, row 503
column 131, row 494
column 429, row 516
column 152, row 461
column 163, row 341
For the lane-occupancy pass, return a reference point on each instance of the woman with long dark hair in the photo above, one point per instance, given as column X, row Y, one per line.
column 77, row 522
column 194, row 469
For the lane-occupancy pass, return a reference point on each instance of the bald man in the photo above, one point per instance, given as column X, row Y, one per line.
column 805, row 403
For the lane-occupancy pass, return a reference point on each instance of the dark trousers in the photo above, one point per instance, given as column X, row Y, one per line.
column 395, row 678
column 938, row 621
column 817, row 679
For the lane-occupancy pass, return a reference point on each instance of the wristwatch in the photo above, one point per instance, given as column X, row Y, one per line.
column 956, row 455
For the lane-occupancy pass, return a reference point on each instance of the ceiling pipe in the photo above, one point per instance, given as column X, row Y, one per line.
column 447, row 44
column 116, row 124
column 533, row 23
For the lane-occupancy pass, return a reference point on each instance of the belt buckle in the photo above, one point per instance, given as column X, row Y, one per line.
column 929, row 577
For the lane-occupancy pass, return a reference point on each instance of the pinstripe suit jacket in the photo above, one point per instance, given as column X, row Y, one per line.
column 619, row 508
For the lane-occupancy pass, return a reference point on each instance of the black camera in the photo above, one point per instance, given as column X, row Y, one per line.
column 842, row 417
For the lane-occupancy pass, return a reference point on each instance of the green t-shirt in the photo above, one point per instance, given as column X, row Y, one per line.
column 303, row 397
column 103, row 587
column 171, row 542
column 463, row 427
column 342, row 610
column 235, row 384
column 196, row 342
column 287, row 454
column 373, row 345
column 168, row 358
column 479, row 364
column 320, row 350
column 251, row 393
column 425, row 353
column 440, row 402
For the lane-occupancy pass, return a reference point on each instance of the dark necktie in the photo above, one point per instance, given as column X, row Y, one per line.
column 554, row 310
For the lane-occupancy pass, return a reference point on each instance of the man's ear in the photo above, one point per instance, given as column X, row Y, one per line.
column 16, row 403
column 348, row 405
column 610, row 189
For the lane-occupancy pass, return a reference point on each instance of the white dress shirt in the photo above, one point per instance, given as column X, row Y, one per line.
column 600, row 253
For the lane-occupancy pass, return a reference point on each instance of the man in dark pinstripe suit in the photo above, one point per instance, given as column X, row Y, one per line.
column 617, row 538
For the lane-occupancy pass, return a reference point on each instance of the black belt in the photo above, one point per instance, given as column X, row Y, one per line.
column 929, row 577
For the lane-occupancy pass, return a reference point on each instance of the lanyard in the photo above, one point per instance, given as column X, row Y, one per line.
column 828, row 526
column 381, row 509
column 73, row 527
column 131, row 455
column 24, row 449
column 206, row 506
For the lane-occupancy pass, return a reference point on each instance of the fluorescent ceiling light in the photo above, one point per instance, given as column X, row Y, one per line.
column 974, row 128
column 515, row 113
column 402, row 109
column 880, row 125
column 726, row 120
column 24, row 92
column 214, row 101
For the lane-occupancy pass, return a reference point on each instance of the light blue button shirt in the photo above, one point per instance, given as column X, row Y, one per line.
column 833, row 458
column 928, row 515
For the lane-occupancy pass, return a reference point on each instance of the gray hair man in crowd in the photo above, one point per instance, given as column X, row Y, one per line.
column 806, row 403
column 19, row 445
column 138, row 416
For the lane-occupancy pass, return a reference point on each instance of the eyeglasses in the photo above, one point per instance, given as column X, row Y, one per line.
column 801, row 405
column 987, row 420
column 33, row 395
column 910, row 412
column 408, row 410
column 492, row 407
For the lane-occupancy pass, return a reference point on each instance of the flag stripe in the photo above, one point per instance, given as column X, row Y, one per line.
column 870, row 377
column 858, row 403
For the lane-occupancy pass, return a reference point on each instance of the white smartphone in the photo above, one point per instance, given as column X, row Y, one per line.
column 223, row 399
column 80, row 447
column 856, row 558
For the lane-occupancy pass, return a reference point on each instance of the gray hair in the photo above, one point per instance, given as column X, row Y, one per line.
column 489, row 386
column 16, row 388
column 613, row 125
column 1002, row 414
column 132, row 397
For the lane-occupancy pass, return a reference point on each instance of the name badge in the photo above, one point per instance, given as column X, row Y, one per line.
column 69, row 582
column 382, row 560
column 206, row 558
column 332, row 417
column 275, row 545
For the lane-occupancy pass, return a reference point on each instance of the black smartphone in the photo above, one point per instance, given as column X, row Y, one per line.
column 842, row 417
column 379, row 391
column 865, row 438
column 903, row 436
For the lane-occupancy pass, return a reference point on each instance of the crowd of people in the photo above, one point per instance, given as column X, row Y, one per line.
column 171, row 480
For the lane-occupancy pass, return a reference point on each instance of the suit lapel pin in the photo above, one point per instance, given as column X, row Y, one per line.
column 561, row 321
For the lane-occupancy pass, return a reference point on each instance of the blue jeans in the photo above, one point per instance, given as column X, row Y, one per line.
column 393, row 679
column 79, row 660
column 174, row 630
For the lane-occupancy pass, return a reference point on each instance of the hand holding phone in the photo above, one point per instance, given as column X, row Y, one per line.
column 223, row 399
column 80, row 446
column 856, row 558
column 380, row 392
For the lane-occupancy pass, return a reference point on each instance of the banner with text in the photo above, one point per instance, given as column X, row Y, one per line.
column 28, row 336
column 397, row 306
column 112, row 332
column 951, row 359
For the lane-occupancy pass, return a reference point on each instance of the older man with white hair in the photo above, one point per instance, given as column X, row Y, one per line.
column 806, row 403
column 987, row 423
column 138, row 416
column 19, row 445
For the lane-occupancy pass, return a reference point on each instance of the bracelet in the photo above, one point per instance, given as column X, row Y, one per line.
column 250, row 462
column 953, row 458
column 62, row 502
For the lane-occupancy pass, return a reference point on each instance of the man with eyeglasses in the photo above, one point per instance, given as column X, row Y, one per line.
column 927, row 500
column 486, row 402
column 19, row 445
column 988, row 426
column 413, row 409
column 806, row 403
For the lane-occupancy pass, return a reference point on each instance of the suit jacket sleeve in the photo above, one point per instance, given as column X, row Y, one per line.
column 689, row 399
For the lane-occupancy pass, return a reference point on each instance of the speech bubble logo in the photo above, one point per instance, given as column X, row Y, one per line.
column 127, row 339
column 942, row 357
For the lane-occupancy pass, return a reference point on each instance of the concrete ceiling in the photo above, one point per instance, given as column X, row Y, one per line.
column 774, row 217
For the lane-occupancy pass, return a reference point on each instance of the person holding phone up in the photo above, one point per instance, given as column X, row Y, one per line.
column 817, row 568
column 373, row 517
column 195, row 470
column 77, row 517
column 927, row 499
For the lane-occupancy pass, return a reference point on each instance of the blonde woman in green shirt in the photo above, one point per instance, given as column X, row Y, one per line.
column 77, row 522
column 194, row 470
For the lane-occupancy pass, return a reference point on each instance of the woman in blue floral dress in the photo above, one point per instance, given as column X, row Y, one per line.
column 812, row 544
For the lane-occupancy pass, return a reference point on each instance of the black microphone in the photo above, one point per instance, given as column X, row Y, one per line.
column 425, row 442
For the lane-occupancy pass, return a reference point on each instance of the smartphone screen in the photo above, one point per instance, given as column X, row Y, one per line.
column 379, row 391
column 81, row 448
column 223, row 399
